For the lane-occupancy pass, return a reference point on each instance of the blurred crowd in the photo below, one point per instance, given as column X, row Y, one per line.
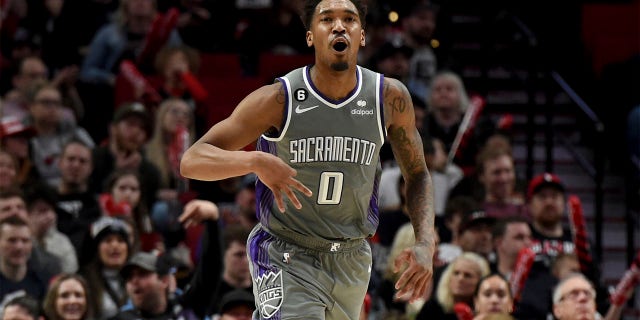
column 100, row 98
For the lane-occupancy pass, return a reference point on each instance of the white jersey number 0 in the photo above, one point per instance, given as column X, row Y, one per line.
column 330, row 189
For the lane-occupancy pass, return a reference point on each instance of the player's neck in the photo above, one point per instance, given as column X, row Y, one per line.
column 334, row 84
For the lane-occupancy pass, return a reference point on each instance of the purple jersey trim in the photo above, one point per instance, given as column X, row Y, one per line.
column 313, row 87
column 381, row 91
column 373, row 214
column 264, row 195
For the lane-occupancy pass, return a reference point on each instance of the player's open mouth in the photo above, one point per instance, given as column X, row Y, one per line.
column 339, row 46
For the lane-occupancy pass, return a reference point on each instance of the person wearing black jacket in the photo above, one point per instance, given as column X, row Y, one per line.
column 150, row 282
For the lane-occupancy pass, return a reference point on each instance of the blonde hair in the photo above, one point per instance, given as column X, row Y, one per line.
column 156, row 149
column 443, row 294
column 462, row 92
column 404, row 238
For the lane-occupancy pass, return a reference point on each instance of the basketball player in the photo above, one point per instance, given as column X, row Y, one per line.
column 319, row 131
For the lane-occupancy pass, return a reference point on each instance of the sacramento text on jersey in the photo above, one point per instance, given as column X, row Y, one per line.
column 332, row 149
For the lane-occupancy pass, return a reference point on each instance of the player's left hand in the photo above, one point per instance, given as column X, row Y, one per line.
column 416, row 277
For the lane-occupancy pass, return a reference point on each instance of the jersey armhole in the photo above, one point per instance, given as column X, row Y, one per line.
column 286, row 116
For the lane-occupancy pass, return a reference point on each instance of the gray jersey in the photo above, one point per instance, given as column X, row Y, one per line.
column 334, row 146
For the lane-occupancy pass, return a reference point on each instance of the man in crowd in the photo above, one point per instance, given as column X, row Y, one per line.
column 150, row 285
column 128, row 132
column 16, row 273
column 76, row 206
column 510, row 235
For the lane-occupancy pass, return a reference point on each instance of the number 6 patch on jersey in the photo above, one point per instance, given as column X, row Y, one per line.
column 270, row 293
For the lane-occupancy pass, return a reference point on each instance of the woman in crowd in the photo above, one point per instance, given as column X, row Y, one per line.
column 67, row 299
column 124, row 200
column 492, row 296
column 109, row 250
column 447, row 103
column 457, row 284
column 173, row 133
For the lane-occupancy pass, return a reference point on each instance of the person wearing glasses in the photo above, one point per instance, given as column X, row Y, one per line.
column 574, row 298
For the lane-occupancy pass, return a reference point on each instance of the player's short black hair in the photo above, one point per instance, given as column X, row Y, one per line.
column 310, row 8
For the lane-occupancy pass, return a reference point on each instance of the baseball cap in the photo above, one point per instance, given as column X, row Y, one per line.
column 475, row 218
column 108, row 225
column 544, row 180
column 235, row 298
column 149, row 262
column 129, row 109
column 11, row 126
column 134, row 109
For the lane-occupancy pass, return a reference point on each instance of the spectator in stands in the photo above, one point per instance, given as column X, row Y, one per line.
column 52, row 131
column 171, row 64
column 243, row 210
column 13, row 203
column 124, row 200
column 510, row 235
column 151, row 289
column 392, row 60
column 457, row 284
column 110, row 247
column 237, row 305
column 235, row 274
column 495, row 185
column 68, row 299
column 418, row 25
column 199, row 293
column 32, row 70
column 41, row 204
column 14, row 139
column 547, row 206
column 17, row 272
column 448, row 101
column 8, row 171
column 196, row 18
column 23, row 307
column 574, row 298
column 173, row 133
column 76, row 206
column 475, row 233
column 445, row 175
column 121, row 39
column 565, row 264
column 492, row 296
column 128, row 132
column 400, row 305
column 456, row 209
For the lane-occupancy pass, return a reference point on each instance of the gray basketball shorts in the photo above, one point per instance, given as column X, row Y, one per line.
column 307, row 279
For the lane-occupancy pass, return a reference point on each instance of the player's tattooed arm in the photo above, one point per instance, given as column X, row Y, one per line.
column 406, row 144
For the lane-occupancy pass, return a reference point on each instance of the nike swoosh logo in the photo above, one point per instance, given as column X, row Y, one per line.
column 303, row 110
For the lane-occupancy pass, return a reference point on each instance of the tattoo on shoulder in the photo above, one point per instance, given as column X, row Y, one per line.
column 395, row 96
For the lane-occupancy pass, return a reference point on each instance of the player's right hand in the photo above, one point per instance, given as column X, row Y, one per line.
column 280, row 178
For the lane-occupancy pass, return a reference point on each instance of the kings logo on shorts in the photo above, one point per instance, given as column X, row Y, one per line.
column 270, row 294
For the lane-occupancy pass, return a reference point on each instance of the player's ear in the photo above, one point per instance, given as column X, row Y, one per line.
column 309, row 39
column 363, row 39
